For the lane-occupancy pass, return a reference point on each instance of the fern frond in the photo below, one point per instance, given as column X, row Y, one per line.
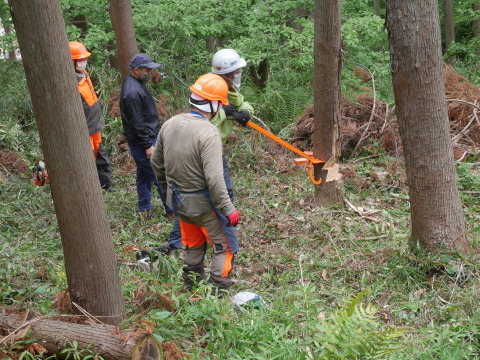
column 354, row 332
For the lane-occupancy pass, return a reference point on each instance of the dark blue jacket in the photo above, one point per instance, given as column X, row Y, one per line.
column 139, row 114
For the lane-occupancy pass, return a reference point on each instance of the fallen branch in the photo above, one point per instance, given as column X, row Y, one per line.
column 457, row 137
column 465, row 102
column 105, row 340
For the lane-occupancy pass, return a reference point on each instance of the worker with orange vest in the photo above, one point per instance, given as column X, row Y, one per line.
column 93, row 113
column 187, row 162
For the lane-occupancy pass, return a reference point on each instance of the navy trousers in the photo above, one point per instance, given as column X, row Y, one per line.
column 145, row 177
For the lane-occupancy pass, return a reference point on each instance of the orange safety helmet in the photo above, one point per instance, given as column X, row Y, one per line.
column 211, row 87
column 78, row 50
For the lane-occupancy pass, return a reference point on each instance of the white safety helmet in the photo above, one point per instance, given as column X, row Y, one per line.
column 226, row 61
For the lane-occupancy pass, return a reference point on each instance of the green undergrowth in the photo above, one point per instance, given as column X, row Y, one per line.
column 335, row 283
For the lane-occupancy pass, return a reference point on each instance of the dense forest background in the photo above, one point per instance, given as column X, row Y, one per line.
column 336, row 282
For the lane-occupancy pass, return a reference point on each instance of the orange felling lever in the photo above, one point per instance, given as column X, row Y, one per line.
column 306, row 156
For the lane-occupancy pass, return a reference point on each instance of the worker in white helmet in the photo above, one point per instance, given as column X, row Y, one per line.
column 228, row 64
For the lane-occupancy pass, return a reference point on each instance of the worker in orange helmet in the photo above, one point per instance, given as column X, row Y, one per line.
column 93, row 113
column 187, row 162
column 228, row 64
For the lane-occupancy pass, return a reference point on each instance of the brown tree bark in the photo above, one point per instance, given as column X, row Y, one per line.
column 90, row 263
column 80, row 21
column 113, row 58
column 122, row 21
column 448, row 23
column 376, row 7
column 419, row 89
column 476, row 23
column 105, row 340
column 210, row 44
column 260, row 74
column 328, row 67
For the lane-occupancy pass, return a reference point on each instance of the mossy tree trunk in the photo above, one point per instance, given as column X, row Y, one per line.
column 90, row 262
column 419, row 89
column 328, row 67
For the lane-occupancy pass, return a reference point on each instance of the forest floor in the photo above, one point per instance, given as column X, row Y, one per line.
column 305, row 262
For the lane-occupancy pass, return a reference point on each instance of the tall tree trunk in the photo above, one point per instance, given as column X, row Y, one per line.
column 449, row 23
column 476, row 22
column 90, row 263
column 419, row 89
column 376, row 7
column 328, row 67
column 122, row 21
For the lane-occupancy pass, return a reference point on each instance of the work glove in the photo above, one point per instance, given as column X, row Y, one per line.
column 233, row 218
column 229, row 109
column 242, row 117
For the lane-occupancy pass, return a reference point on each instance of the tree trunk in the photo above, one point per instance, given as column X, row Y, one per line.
column 328, row 67
column 105, row 340
column 80, row 21
column 210, row 43
column 113, row 58
column 449, row 23
column 376, row 7
column 260, row 75
column 476, row 23
column 419, row 89
column 11, row 51
column 90, row 263
column 4, row 18
column 122, row 21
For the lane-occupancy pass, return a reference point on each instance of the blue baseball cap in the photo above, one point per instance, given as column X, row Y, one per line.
column 143, row 60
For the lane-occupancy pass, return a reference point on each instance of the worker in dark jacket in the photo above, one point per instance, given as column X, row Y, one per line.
column 141, row 126
column 93, row 113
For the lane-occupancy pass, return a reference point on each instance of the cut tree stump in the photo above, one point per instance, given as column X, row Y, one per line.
column 105, row 340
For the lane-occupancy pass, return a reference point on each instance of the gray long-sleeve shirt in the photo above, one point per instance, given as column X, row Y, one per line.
column 189, row 153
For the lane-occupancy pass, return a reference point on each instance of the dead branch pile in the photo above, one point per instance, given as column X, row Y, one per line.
column 463, row 100
column 12, row 164
column 364, row 125
column 160, row 101
column 358, row 123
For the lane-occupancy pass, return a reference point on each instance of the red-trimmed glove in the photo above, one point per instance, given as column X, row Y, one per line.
column 233, row 218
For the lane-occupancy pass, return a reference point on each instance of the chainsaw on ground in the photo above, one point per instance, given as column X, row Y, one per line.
column 40, row 174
